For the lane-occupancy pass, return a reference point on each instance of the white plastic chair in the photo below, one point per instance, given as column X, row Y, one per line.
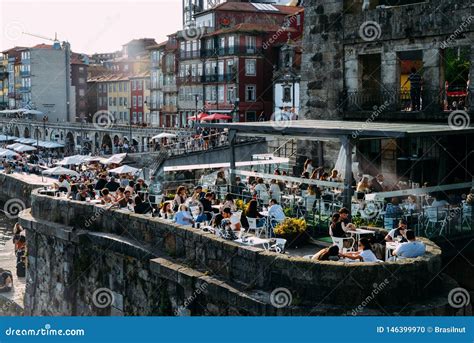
column 340, row 242
column 279, row 246
column 253, row 226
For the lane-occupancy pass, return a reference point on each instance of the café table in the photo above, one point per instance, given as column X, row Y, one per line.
column 253, row 241
column 390, row 247
column 360, row 232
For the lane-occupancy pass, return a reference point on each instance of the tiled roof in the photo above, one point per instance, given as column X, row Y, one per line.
column 109, row 77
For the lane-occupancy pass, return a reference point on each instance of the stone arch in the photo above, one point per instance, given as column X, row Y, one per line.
column 54, row 135
column 69, row 143
column 17, row 132
column 37, row 134
column 106, row 145
column 26, row 132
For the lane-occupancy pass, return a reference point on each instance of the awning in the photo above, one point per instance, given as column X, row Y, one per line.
column 275, row 160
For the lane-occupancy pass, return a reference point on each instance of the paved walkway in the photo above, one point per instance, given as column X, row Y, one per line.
column 16, row 295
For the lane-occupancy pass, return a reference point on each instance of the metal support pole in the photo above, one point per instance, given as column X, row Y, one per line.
column 232, row 139
column 348, row 145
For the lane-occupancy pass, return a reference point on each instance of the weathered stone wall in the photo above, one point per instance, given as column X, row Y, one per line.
column 14, row 188
column 154, row 267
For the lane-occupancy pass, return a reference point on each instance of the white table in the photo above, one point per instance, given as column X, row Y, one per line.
column 390, row 247
column 253, row 241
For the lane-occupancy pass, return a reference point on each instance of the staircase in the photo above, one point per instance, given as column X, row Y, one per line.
column 158, row 161
column 284, row 148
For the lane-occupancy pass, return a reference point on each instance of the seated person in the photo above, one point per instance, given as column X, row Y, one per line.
column 398, row 233
column 6, row 281
column 439, row 202
column 275, row 211
column 112, row 185
column 251, row 211
column 198, row 194
column 141, row 207
column 335, row 229
column 83, row 193
column 229, row 202
column 166, row 211
column 231, row 217
column 106, row 197
column 345, row 221
column 410, row 249
column 327, row 254
column 364, row 254
column 100, row 184
column 363, row 186
column 63, row 185
column 183, row 217
column 125, row 200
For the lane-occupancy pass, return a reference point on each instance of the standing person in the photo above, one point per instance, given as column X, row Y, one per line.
column 415, row 89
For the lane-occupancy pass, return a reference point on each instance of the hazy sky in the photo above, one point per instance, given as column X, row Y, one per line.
column 89, row 25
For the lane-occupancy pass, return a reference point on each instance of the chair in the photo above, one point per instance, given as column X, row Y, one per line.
column 278, row 247
column 467, row 216
column 433, row 217
column 339, row 241
column 253, row 226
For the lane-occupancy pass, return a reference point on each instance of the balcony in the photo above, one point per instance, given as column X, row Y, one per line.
column 188, row 80
column 169, row 88
column 169, row 109
column 232, row 51
column 229, row 77
column 392, row 105
column 190, row 54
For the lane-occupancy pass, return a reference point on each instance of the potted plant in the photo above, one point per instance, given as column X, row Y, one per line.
column 294, row 230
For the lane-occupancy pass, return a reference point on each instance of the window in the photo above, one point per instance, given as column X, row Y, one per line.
column 115, row 101
column 110, row 101
column 125, row 102
column 82, row 92
column 82, row 80
column 120, row 86
column 250, row 116
column 134, row 101
column 139, row 85
column 231, row 44
column 120, row 101
column 251, row 67
column 81, row 69
column 251, row 44
column 125, row 87
column 134, row 85
column 250, row 93
column 287, row 94
column 140, row 101
column 230, row 94
column 110, row 88
column 115, row 87
column 221, row 93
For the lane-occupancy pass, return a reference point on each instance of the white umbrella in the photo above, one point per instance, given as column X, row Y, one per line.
column 57, row 171
column 164, row 135
column 76, row 159
column 124, row 170
column 47, row 145
column 4, row 138
column 23, row 148
column 7, row 153
column 93, row 159
column 114, row 159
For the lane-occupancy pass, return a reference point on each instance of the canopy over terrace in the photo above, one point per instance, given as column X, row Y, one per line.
column 347, row 132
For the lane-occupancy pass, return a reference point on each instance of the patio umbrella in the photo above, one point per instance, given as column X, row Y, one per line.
column 124, row 170
column 114, row 159
column 164, row 135
column 200, row 116
column 217, row 116
column 70, row 160
column 57, row 171
column 4, row 138
column 23, row 148
column 7, row 153
column 93, row 159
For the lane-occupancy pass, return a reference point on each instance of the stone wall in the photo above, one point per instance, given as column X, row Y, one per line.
column 12, row 187
column 153, row 267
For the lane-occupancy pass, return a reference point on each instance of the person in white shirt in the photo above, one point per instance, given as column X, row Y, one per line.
column 364, row 254
column 275, row 191
column 275, row 212
column 261, row 191
column 63, row 185
column 410, row 249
